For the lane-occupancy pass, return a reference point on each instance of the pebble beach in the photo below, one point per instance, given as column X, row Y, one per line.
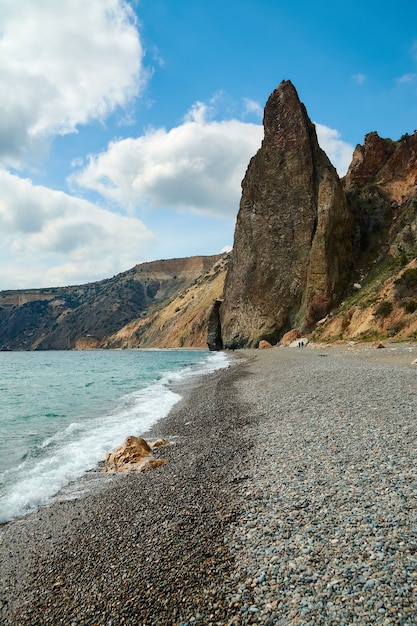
column 289, row 497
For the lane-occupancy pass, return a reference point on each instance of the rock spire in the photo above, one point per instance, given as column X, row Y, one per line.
column 291, row 253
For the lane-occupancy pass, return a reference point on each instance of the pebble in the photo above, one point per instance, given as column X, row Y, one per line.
column 335, row 461
column 290, row 498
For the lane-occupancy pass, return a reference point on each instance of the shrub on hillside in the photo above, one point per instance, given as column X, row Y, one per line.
column 410, row 306
column 406, row 284
column 383, row 309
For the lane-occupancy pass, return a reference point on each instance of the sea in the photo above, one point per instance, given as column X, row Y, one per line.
column 61, row 412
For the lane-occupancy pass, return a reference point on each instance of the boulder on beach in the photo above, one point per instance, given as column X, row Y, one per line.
column 377, row 345
column 289, row 337
column 159, row 442
column 134, row 455
column 264, row 345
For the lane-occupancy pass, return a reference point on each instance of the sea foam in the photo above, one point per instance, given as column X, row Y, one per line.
column 68, row 454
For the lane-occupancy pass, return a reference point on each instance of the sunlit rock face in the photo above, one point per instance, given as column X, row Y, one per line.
column 381, row 188
column 292, row 236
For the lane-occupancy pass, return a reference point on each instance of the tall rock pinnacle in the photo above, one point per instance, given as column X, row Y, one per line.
column 292, row 237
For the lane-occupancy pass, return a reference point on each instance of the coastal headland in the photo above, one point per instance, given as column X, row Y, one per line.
column 289, row 497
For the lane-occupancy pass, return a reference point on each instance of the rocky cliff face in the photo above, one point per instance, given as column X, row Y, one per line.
column 391, row 165
column 182, row 322
column 162, row 303
column 381, row 188
column 292, row 238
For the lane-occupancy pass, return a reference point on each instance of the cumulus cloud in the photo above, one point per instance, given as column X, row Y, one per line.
column 62, row 238
column 197, row 166
column 63, row 64
column 339, row 152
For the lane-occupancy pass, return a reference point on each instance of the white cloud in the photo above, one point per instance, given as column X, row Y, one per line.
column 359, row 78
column 251, row 107
column 407, row 78
column 51, row 238
column 339, row 152
column 63, row 64
column 197, row 166
column 62, row 239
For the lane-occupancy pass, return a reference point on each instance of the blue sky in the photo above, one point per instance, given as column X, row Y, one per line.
column 126, row 127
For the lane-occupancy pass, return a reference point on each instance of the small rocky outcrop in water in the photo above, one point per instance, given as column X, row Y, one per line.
column 134, row 455
column 292, row 236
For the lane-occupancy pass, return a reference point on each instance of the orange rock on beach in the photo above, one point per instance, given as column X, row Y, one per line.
column 289, row 337
column 134, row 455
column 264, row 345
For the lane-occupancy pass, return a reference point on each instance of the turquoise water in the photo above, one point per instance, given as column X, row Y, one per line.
column 62, row 412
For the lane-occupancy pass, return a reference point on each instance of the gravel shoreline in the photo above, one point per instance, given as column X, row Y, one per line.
column 289, row 497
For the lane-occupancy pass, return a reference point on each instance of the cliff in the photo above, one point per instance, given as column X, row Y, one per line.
column 292, row 247
column 381, row 189
column 182, row 322
column 316, row 254
column 91, row 316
